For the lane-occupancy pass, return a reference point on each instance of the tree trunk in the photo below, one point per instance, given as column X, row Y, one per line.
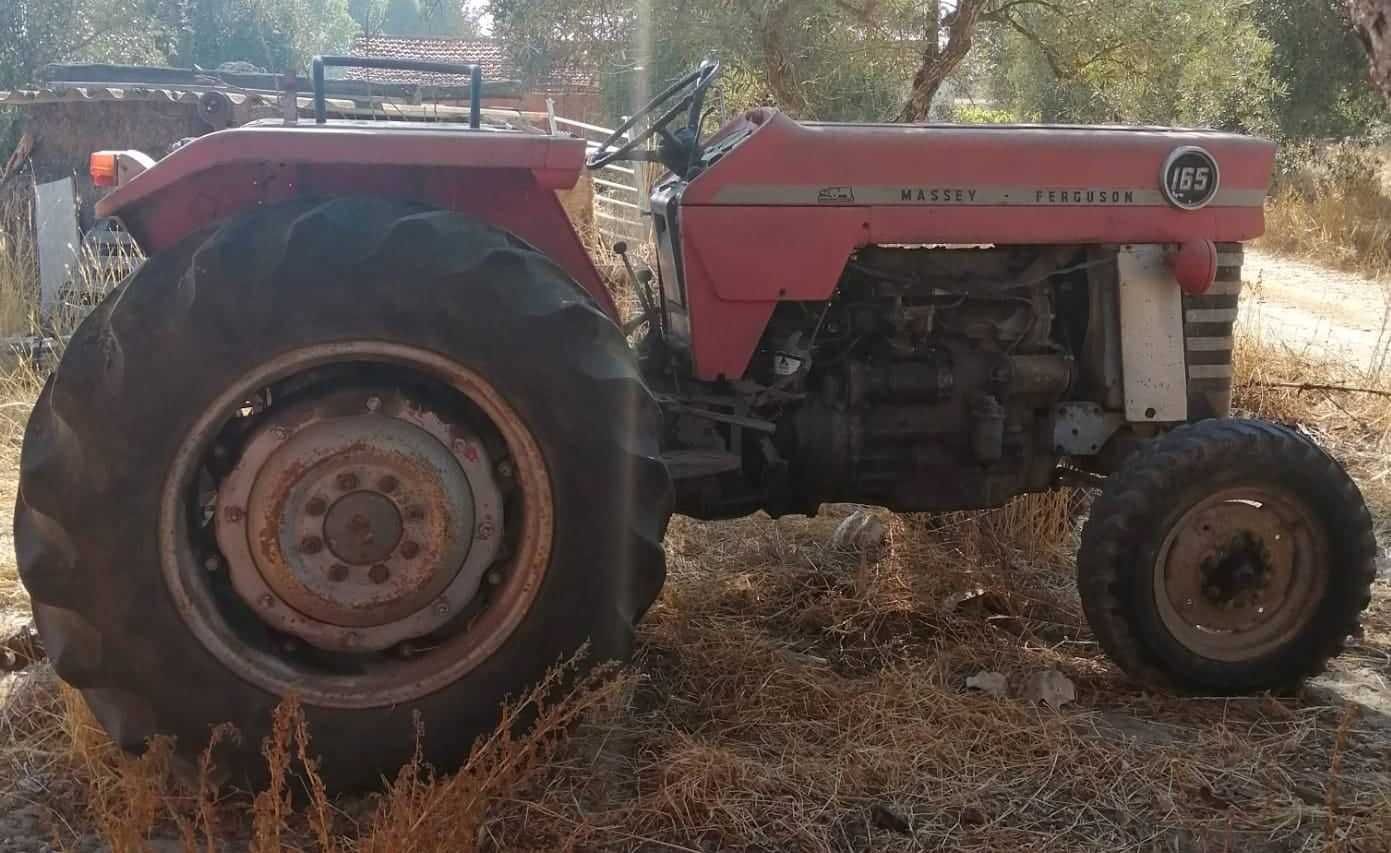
column 938, row 61
column 1373, row 20
column 769, row 22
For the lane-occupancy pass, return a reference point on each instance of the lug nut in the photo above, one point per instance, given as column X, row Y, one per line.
column 442, row 608
column 378, row 573
column 409, row 549
column 504, row 469
column 316, row 506
column 347, row 482
column 267, row 601
column 387, row 484
column 338, row 572
column 311, row 544
column 280, row 433
column 233, row 514
column 494, row 578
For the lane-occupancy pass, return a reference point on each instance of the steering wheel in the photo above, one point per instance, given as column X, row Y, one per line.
column 691, row 90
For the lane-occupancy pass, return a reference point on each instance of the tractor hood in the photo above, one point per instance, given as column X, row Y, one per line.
column 995, row 184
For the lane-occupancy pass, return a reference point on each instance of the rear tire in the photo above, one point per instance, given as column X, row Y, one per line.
column 151, row 360
column 1226, row 556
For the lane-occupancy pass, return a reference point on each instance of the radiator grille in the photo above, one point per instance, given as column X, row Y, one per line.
column 1208, row 323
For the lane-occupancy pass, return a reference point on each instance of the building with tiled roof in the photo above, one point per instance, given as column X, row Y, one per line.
column 489, row 53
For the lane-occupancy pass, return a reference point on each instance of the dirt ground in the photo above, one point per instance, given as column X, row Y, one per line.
column 792, row 696
column 1310, row 308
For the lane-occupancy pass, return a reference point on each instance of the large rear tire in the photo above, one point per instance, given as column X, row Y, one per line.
column 268, row 326
column 1227, row 556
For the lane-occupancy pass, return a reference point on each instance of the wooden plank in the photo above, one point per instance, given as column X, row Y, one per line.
column 56, row 224
column 601, row 199
column 613, row 185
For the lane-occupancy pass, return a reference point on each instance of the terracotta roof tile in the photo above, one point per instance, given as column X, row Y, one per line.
column 486, row 52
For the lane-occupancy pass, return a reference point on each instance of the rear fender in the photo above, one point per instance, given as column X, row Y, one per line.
column 505, row 179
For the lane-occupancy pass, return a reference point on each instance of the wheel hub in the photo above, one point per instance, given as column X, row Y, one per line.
column 1235, row 575
column 356, row 521
column 364, row 527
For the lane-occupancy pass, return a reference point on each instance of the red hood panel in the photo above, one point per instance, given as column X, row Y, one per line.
column 905, row 177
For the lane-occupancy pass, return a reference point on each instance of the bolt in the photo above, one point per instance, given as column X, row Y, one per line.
column 266, row 600
column 1188, row 602
column 504, row 469
column 442, row 608
column 338, row 572
column 233, row 514
column 409, row 549
column 374, row 403
column 316, row 506
column 387, row 484
column 213, row 564
column 311, row 544
column 415, row 513
column 378, row 573
column 494, row 578
column 347, row 482
column 280, row 433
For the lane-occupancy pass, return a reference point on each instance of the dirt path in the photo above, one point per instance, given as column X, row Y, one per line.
column 1308, row 307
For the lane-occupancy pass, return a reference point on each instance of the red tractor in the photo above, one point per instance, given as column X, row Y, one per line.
column 367, row 425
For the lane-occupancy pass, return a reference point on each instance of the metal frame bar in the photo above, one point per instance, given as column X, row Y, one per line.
column 473, row 70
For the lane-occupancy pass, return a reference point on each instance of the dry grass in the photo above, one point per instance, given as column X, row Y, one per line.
column 789, row 696
column 1332, row 206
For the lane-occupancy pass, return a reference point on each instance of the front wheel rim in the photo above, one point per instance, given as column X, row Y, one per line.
column 1241, row 573
column 360, row 666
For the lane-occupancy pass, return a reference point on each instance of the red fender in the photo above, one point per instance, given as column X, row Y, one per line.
column 507, row 179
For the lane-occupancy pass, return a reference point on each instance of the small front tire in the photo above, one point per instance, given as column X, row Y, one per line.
column 1227, row 556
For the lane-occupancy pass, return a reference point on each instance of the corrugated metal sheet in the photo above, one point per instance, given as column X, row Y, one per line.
column 68, row 94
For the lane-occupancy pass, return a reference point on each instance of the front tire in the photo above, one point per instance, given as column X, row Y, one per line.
column 319, row 326
column 1226, row 556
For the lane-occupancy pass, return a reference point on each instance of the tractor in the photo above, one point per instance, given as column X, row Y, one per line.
column 369, row 428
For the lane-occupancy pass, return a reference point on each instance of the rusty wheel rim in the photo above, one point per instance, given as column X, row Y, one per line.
column 1241, row 573
column 363, row 548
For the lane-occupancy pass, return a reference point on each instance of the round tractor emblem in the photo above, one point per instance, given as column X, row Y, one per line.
column 1190, row 177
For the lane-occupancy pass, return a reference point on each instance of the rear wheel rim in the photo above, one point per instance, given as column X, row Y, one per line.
column 261, row 580
column 1241, row 573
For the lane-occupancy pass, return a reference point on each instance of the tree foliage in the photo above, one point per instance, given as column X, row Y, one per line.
column 1318, row 62
column 815, row 58
column 427, row 18
column 1285, row 67
column 272, row 34
column 1191, row 62
column 34, row 33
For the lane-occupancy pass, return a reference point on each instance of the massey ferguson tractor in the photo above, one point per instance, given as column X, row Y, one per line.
column 368, row 426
